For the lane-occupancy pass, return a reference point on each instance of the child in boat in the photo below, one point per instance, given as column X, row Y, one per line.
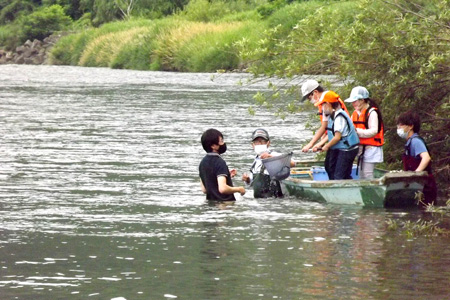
column 258, row 177
column 314, row 92
column 214, row 173
column 370, row 129
column 416, row 156
column 343, row 141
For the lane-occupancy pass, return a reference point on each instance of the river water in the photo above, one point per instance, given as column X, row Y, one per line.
column 100, row 199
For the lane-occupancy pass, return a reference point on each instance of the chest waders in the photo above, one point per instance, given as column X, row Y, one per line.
column 411, row 163
column 264, row 187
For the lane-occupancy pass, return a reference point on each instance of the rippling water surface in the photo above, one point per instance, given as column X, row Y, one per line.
column 100, row 199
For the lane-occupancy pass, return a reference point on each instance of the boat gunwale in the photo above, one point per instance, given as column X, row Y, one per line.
column 396, row 175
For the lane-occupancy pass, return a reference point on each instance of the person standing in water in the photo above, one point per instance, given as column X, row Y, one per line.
column 215, row 176
column 259, row 178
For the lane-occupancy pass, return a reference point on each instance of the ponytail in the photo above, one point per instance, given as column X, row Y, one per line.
column 373, row 104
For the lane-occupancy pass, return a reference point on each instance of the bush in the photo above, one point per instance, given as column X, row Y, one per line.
column 10, row 36
column 289, row 15
column 14, row 10
column 44, row 22
column 208, row 11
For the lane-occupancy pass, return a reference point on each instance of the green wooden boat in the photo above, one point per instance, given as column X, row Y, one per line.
column 387, row 189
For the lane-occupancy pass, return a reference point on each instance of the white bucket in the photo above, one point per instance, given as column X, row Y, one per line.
column 279, row 167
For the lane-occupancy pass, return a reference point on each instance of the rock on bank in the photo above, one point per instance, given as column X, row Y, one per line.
column 31, row 52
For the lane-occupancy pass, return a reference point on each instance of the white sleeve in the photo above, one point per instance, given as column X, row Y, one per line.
column 339, row 124
column 373, row 126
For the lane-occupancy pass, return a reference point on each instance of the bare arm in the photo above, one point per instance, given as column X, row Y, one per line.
column 320, row 144
column 334, row 141
column 317, row 136
column 424, row 162
column 224, row 188
column 203, row 187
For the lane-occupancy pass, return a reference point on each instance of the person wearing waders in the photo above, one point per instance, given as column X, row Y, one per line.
column 263, row 185
column 416, row 156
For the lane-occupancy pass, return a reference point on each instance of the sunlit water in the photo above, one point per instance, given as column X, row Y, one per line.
column 100, row 199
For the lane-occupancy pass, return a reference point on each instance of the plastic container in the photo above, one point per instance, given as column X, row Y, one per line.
column 304, row 174
column 319, row 173
column 279, row 167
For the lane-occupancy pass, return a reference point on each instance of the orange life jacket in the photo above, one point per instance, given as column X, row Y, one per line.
column 362, row 121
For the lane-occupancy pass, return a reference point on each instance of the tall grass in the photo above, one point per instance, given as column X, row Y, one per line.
column 69, row 49
column 196, row 46
column 288, row 16
column 215, row 50
column 200, row 38
column 172, row 44
column 102, row 50
column 214, row 10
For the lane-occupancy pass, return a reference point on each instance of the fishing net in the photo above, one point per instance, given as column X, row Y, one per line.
column 279, row 167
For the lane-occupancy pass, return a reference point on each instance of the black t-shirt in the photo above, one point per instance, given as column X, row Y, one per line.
column 211, row 167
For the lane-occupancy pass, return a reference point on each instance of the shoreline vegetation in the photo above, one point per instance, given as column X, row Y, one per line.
column 398, row 49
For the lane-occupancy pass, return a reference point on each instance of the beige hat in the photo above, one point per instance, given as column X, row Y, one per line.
column 309, row 86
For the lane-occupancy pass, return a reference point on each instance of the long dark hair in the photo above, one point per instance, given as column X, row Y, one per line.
column 373, row 103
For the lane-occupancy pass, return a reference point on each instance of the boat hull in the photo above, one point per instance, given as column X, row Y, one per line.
column 396, row 189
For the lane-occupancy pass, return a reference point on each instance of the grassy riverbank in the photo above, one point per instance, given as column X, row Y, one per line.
column 205, row 37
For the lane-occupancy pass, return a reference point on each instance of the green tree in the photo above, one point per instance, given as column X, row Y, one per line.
column 43, row 22
column 71, row 7
column 399, row 49
column 10, row 11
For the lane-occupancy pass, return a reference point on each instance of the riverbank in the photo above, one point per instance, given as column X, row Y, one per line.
column 34, row 52
column 189, row 41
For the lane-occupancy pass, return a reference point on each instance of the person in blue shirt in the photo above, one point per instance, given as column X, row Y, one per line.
column 416, row 156
column 213, row 170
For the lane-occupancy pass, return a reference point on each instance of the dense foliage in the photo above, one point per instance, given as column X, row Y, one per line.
column 399, row 49
column 17, row 16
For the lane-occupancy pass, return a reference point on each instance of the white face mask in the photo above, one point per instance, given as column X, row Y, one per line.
column 313, row 100
column 401, row 133
column 327, row 109
column 259, row 149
